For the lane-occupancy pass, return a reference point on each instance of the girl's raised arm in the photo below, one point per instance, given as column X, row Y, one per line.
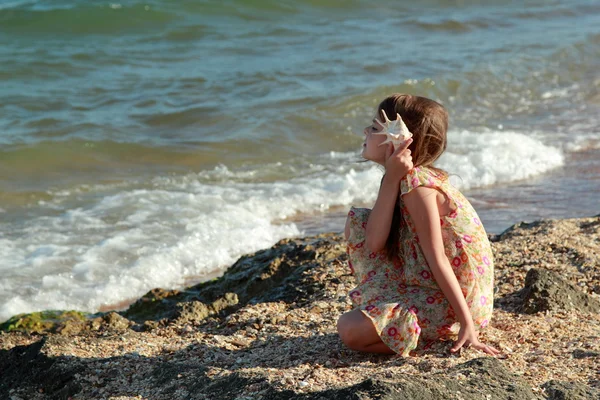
column 423, row 208
column 397, row 164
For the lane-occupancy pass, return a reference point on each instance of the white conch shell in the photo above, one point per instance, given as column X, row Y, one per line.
column 396, row 131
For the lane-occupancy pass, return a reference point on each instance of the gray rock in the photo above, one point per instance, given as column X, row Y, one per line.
column 29, row 372
column 556, row 390
column 545, row 290
column 274, row 274
column 482, row 378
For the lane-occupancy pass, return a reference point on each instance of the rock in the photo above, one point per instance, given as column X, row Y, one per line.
column 27, row 369
column 115, row 322
column 196, row 311
column 45, row 322
column 545, row 290
column 273, row 274
column 149, row 326
column 556, row 390
column 111, row 321
column 484, row 378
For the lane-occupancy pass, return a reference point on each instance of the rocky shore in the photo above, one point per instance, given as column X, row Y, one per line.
column 266, row 330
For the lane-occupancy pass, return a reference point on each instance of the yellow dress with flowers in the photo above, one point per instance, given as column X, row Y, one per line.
column 401, row 297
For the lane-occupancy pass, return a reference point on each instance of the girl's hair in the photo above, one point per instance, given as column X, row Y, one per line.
column 428, row 122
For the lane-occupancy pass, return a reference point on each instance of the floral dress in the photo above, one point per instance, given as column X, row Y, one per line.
column 401, row 297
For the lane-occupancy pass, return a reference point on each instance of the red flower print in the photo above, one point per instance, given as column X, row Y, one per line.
column 459, row 244
column 351, row 213
column 371, row 274
column 480, row 270
column 379, row 298
column 414, row 182
column 484, row 323
column 477, row 221
column 464, row 257
column 370, row 307
column 450, row 314
column 415, row 290
column 364, row 225
column 456, row 261
column 402, row 286
column 467, row 238
column 486, row 260
column 372, row 255
column 452, row 214
column 398, row 263
column 443, row 330
column 392, row 332
column 413, row 250
column 483, row 300
column 361, row 244
column 414, row 309
column 425, row 274
column 430, row 300
column 354, row 294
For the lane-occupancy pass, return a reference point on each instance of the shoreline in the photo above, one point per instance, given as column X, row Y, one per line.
column 266, row 329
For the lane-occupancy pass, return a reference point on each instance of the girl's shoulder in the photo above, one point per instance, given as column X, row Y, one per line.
column 423, row 176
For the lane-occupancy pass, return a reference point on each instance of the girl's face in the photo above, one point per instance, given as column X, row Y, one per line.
column 371, row 149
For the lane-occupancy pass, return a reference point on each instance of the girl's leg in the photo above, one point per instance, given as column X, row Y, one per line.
column 358, row 332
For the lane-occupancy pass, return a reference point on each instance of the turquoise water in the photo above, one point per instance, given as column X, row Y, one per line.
column 152, row 143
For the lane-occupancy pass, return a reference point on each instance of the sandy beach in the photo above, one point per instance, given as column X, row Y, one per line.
column 266, row 330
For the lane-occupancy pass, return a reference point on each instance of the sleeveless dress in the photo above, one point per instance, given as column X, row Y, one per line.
column 401, row 297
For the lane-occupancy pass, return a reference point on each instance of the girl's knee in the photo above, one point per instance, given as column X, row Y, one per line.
column 350, row 327
column 345, row 329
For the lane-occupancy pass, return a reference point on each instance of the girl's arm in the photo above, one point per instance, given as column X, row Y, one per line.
column 423, row 208
column 380, row 219
column 397, row 165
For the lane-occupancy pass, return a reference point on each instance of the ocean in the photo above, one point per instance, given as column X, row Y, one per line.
column 151, row 143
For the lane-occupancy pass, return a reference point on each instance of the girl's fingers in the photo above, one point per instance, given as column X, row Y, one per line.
column 457, row 345
column 404, row 146
column 488, row 349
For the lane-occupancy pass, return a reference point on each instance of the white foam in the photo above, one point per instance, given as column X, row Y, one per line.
column 132, row 241
column 488, row 158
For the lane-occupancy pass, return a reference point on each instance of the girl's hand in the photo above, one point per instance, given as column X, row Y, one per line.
column 467, row 336
column 398, row 162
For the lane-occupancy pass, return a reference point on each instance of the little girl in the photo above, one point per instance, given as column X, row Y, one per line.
column 421, row 256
